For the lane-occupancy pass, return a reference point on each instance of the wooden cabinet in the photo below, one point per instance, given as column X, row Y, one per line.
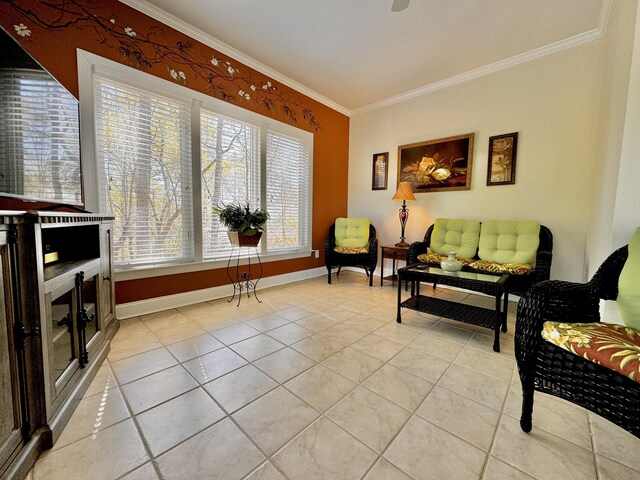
column 57, row 320
column 10, row 412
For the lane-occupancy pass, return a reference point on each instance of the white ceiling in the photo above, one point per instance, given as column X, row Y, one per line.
column 357, row 53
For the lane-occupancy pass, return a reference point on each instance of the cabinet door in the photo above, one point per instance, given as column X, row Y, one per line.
column 107, row 291
column 10, row 435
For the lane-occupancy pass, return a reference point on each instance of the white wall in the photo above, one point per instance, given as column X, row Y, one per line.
column 552, row 102
column 626, row 216
column 616, row 65
column 626, row 211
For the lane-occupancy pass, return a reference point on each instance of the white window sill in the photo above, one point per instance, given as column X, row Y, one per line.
column 149, row 271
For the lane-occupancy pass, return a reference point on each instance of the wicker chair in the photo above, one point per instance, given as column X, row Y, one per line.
column 548, row 368
column 368, row 260
column 518, row 284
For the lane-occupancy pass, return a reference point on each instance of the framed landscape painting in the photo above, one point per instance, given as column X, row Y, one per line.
column 380, row 171
column 437, row 165
column 502, row 159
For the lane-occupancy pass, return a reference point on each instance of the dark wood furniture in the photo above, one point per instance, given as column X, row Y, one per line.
column 368, row 260
column 56, row 323
column 495, row 285
column 518, row 284
column 394, row 253
column 548, row 368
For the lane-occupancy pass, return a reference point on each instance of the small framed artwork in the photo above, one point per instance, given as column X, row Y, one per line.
column 437, row 165
column 502, row 159
column 380, row 171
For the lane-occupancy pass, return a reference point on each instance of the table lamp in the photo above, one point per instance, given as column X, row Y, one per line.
column 403, row 193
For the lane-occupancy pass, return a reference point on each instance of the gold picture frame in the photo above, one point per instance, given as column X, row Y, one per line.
column 439, row 165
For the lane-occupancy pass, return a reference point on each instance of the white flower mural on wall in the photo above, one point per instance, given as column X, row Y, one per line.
column 22, row 30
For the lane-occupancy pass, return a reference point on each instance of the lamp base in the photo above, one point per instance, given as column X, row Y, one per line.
column 402, row 244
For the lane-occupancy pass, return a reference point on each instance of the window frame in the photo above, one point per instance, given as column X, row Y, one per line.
column 89, row 65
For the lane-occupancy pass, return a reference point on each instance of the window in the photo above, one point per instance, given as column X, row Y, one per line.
column 144, row 157
column 230, row 162
column 39, row 137
column 167, row 156
column 288, row 193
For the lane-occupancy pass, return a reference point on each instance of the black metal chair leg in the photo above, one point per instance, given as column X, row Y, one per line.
column 329, row 274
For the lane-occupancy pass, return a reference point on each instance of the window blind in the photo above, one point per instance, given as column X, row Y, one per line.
column 144, row 163
column 288, row 192
column 230, row 162
column 39, row 137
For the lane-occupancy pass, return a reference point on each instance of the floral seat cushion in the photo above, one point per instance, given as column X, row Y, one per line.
column 436, row 258
column 613, row 346
column 494, row 267
column 351, row 250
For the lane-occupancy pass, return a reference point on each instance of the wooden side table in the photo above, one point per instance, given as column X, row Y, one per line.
column 394, row 253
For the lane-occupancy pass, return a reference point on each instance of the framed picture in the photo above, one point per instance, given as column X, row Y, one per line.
column 380, row 171
column 502, row 159
column 437, row 165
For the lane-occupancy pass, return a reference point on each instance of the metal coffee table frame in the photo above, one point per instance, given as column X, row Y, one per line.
column 495, row 285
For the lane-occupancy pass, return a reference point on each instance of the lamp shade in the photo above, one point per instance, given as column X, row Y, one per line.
column 404, row 192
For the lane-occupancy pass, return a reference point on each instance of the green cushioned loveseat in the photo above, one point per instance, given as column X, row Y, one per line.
column 522, row 248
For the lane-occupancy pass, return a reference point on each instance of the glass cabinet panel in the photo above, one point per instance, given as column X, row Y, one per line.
column 62, row 334
column 90, row 299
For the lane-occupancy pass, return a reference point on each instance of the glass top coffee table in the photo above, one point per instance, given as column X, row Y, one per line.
column 491, row 284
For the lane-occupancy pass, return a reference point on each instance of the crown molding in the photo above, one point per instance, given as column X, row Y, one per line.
column 174, row 22
column 552, row 48
column 580, row 39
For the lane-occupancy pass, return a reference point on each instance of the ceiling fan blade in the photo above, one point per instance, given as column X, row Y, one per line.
column 399, row 5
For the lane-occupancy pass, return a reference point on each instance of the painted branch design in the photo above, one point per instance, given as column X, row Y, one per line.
column 182, row 60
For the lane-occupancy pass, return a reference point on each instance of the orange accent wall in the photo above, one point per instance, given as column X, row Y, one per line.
column 59, row 27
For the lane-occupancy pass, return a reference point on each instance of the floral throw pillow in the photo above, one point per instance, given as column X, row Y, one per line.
column 613, row 346
column 512, row 268
column 351, row 250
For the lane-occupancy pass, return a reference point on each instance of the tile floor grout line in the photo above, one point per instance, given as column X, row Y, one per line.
column 495, row 433
column 142, row 439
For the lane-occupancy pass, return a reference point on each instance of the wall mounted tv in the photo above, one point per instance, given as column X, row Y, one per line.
column 39, row 131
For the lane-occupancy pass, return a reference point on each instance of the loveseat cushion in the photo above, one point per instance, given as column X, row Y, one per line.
column 460, row 236
column 352, row 232
column 436, row 258
column 613, row 346
column 503, row 241
column 628, row 301
column 512, row 268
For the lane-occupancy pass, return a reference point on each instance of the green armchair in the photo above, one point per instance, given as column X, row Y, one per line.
column 351, row 242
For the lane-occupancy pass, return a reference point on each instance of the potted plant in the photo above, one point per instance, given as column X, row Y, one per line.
column 245, row 226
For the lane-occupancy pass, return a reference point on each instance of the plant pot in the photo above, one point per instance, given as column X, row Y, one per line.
column 242, row 240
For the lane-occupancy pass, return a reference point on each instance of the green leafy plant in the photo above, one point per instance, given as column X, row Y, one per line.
column 240, row 218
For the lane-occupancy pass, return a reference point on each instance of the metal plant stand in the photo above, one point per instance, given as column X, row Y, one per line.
column 242, row 280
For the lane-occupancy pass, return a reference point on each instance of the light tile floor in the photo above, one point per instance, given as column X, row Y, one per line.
column 319, row 382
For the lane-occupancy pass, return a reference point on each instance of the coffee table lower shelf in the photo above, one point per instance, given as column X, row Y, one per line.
column 482, row 317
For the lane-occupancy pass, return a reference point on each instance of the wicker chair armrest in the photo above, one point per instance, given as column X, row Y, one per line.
column 329, row 244
column 542, row 270
column 415, row 249
column 551, row 300
column 605, row 280
column 373, row 246
column 373, row 252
